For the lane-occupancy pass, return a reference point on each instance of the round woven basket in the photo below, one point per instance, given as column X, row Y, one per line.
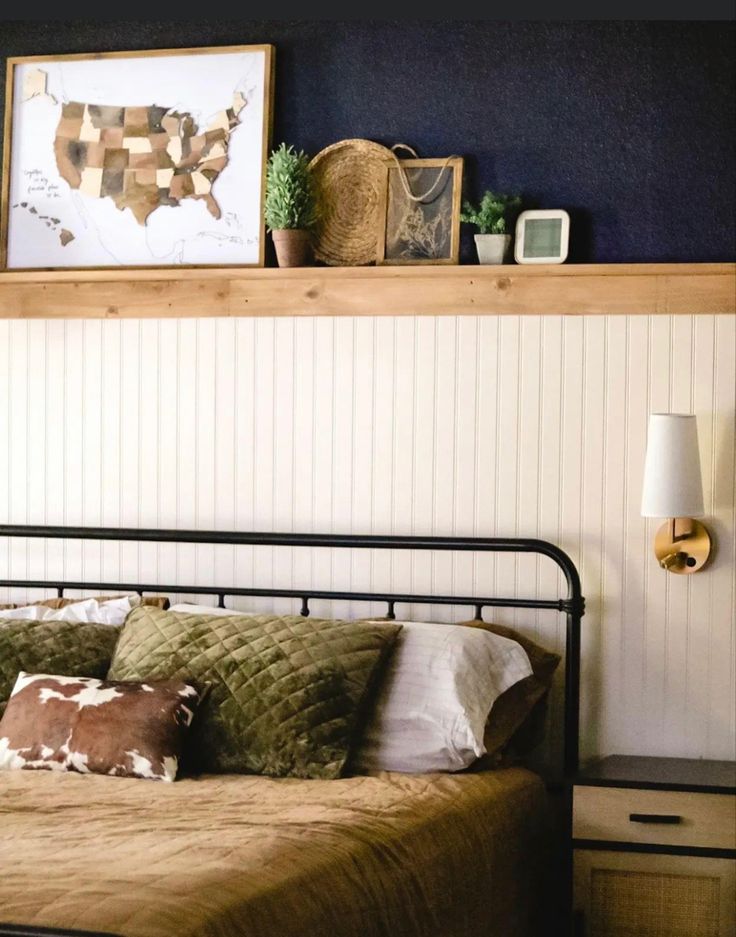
column 349, row 179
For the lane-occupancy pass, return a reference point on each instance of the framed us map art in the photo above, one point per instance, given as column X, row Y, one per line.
column 136, row 158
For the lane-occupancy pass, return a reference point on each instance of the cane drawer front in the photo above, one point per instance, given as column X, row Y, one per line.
column 670, row 818
column 625, row 894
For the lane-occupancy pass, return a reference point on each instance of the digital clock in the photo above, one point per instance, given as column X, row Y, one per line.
column 542, row 236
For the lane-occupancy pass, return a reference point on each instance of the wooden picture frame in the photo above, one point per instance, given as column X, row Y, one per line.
column 91, row 173
column 423, row 232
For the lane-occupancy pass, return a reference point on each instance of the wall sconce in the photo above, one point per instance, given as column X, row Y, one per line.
column 673, row 488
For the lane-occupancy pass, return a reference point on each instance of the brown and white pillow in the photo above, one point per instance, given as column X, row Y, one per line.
column 95, row 726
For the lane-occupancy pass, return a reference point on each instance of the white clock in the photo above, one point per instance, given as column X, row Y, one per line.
column 542, row 236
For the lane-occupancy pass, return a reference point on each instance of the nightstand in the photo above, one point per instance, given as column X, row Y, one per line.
column 654, row 848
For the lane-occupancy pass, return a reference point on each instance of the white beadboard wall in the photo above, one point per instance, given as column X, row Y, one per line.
column 528, row 426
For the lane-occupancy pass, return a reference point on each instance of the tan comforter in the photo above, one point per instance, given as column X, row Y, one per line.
column 240, row 856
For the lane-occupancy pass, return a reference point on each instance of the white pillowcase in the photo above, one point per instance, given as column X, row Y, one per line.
column 208, row 610
column 438, row 689
column 113, row 612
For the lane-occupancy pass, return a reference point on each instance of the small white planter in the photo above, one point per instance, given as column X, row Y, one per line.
column 492, row 248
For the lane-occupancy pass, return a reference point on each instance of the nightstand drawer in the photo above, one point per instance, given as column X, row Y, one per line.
column 670, row 818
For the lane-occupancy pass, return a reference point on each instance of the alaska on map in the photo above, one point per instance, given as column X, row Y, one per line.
column 143, row 157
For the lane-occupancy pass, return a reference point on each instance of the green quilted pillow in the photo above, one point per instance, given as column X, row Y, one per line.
column 63, row 648
column 286, row 693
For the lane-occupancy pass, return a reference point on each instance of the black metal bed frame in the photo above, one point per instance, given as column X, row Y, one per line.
column 572, row 605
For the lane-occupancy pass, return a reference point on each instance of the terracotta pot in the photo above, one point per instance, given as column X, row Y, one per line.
column 492, row 248
column 293, row 247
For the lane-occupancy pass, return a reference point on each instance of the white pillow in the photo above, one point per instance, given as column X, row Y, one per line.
column 112, row 612
column 207, row 610
column 438, row 689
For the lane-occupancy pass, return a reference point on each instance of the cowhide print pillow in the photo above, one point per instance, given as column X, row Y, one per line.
column 134, row 730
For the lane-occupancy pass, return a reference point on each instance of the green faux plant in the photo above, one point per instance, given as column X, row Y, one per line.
column 490, row 216
column 290, row 201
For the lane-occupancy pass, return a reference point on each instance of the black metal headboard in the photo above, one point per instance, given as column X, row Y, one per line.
column 572, row 605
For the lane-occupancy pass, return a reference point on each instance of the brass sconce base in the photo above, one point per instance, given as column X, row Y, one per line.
column 682, row 545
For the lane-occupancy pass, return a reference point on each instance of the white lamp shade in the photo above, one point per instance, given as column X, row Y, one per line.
column 672, row 483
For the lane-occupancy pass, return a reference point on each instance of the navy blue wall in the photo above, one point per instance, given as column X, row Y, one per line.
column 628, row 125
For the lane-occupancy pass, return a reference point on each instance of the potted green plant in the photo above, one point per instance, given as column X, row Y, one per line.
column 290, row 207
column 491, row 217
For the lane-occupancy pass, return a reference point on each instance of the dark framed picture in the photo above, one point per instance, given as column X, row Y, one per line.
column 421, row 216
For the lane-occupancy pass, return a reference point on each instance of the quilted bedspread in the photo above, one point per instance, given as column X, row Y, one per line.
column 242, row 856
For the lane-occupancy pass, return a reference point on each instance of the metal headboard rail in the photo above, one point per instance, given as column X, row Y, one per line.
column 572, row 605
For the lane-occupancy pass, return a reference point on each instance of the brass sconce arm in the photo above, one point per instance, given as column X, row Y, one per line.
column 674, row 562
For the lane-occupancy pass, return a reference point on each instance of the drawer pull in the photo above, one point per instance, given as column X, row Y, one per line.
column 671, row 818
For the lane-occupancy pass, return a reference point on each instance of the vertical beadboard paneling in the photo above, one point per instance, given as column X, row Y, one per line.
column 721, row 710
column 529, row 426
column 242, row 397
column 322, row 466
column 166, row 440
column 18, row 463
column 36, row 442
column 73, row 442
column 485, row 466
column 264, row 446
column 187, row 444
column 466, row 442
column 91, row 418
column 224, row 419
column 633, row 551
column 508, row 450
column 422, row 437
column 679, row 607
column 205, row 433
column 443, row 455
column 302, row 480
column 592, row 499
column 341, row 503
column 658, row 586
column 384, row 460
column 402, row 420
column 55, row 432
column 549, row 452
column 612, row 545
column 700, row 617
column 362, row 441
column 526, row 522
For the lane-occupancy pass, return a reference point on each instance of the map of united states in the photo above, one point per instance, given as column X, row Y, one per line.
column 143, row 157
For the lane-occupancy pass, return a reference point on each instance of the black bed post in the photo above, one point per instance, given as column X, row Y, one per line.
column 572, row 695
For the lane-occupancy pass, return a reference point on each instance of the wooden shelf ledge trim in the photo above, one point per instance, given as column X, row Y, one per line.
column 594, row 289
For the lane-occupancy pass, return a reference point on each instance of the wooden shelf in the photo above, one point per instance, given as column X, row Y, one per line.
column 593, row 289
